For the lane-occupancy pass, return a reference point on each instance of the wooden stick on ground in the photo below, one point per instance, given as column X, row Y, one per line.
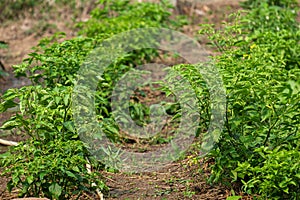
column 89, row 168
column 8, row 143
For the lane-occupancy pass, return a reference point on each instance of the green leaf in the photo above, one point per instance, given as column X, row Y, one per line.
column 42, row 174
column 5, row 155
column 29, row 179
column 234, row 173
column 76, row 169
column 57, row 99
column 10, row 124
column 6, row 105
column 66, row 99
column 70, row 174
column 234, row 198
column 3, row 45
column 70, row 126
column 55, row 190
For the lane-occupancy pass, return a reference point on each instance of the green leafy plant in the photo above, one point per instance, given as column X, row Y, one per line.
column 252, row 4
column 266, row 17
column 117, row 16
column 52, row 163
column 56, row 171
column 260, row 66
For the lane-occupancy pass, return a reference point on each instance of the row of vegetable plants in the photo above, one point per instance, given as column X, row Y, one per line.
column 260, row 66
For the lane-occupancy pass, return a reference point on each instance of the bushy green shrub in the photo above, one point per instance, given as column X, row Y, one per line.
column 268, row 16
column 56, row 171
column 118, row 16
column 252, row 4
column 261, row 68
column 52, row 163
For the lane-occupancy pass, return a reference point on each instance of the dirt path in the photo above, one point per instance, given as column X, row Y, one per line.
column 175, row 181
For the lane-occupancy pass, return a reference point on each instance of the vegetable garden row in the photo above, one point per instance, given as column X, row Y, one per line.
column 259, row 63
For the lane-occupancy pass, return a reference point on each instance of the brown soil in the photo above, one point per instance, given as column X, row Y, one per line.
column 175, row 181
column 180, row 180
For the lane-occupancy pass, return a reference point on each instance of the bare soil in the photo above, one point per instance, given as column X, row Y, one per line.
column 183, row 179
